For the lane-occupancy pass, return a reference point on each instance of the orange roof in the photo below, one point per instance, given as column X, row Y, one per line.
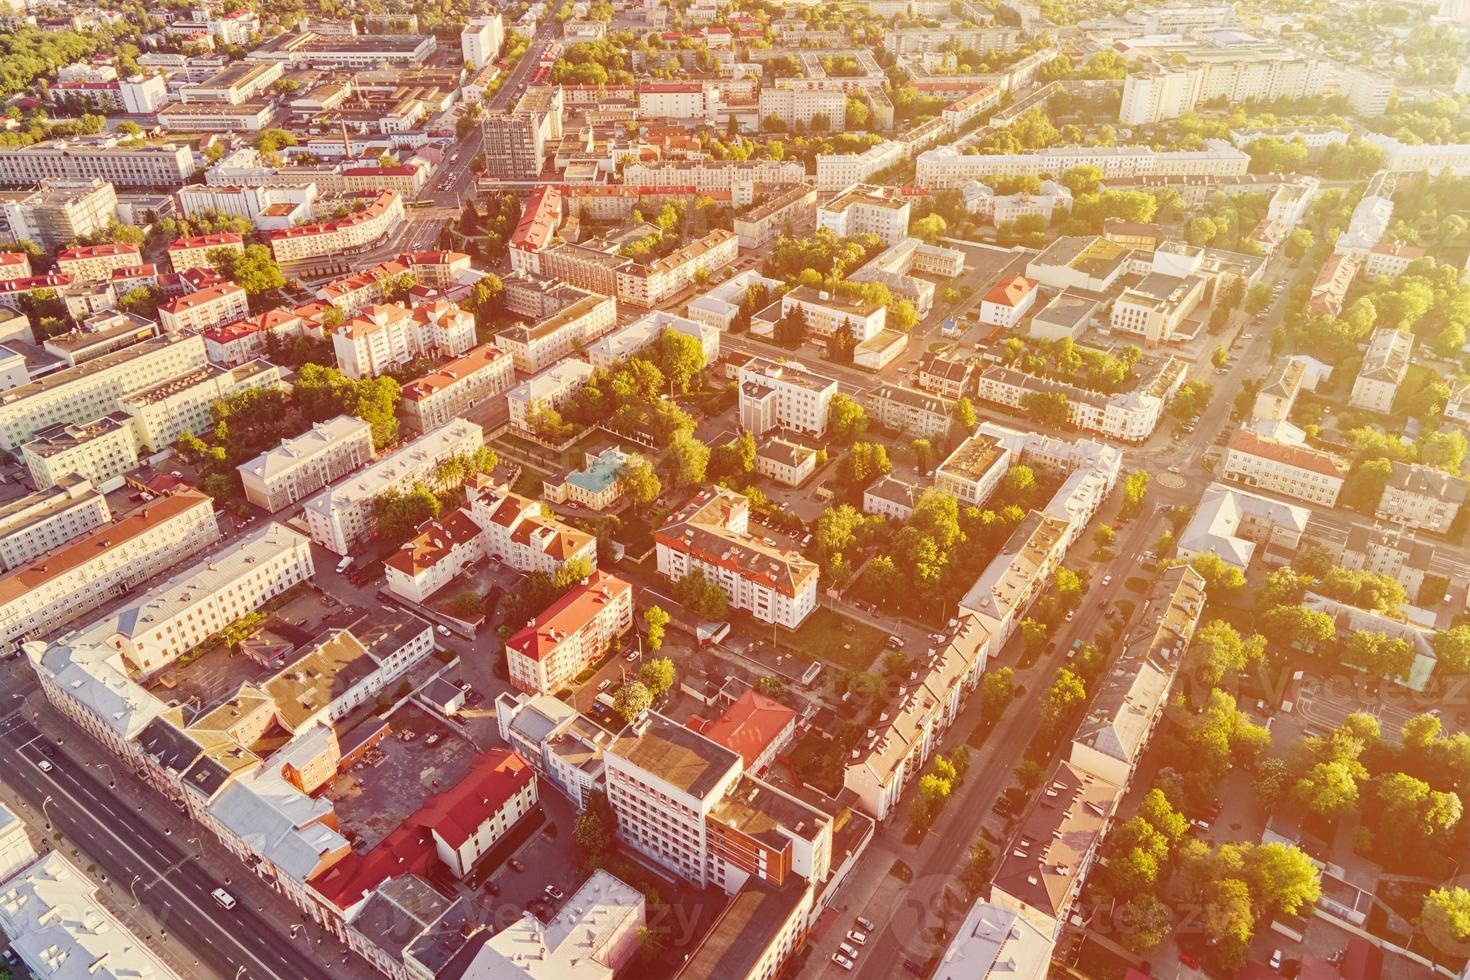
column 749, row 725
column 97, row 251
column 435, row 541
column 476, row 359
column 1010, row 291
column 381, row 203
column 567, row 615
column 201, row 297
column 539, row 220
column 206, row 241
column 140, row 523
column 1301, row 457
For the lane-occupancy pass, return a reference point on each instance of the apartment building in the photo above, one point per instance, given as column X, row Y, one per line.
column 437, row 555
column 94, row 388
column 1433, row 158
column 536, row 229
column 710, row 534
column 378, row 217
column 1155, row 308
column 947, row 377
column 100, row 452
column 481, row 39
column 193, row 253
column 455, row 388
column 1292, row 470
column 247, row 339
column 597, row 485
column 672, row 100
column 563, row 744
column 1008, row 301
column 1126, row 710
column 387, row 336
column 909, row 412
column 985, row 204
column 825, row 313
column 235, row 84
column 267, row 207
column 946, row 167
column 47, row 519
column 570, row 635
column 1388, row 551
column 1186, row 75
column 162, row 414
column 798, row 108
column 171, row 618
column 204, row 309
column 790, row 210
column 1384, row 367
column 1235, row 524
column 536, row 347
column 783, row 394
column 892, row 498
column 1130, row 416
column 788, row 463
column 649, row 284
column 890, row 756
column 1277, row 397
column 304, row 464
column 547, row 391
column 522, row 533
column 1018, row 575
column 166, row 166
column 838, row 170
column 1421, row 497
column 714, row 175
column 340, row 517
column 60, row 211
column 972, row 472
column 644, row 332
column 866, row 208
column 516, row 141
column 96, row 263
column 62, row 585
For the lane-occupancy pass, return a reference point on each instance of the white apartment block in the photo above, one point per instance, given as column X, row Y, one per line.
column 838, row 170
column 1258, row 463
column 481, row 39
column 267, row 207
column 523, row 534
column 435, row 557
column 377, row 219
column 340, row 517
column 881, row 211
column 672, row 100
column 945, row 167
column 538, row 346
column 645, row 331
column 548, row 390
column 454, row 388
column 212, row 306
column 792, row 211
column 304, row 464
column 100, row 452
column 972, row 472
column 110, row 562
column 710, row 534
column 96, row 387
column 569, row 635
column 193, row 253
column 648, row 285
column 173, row 617
column 1421, row 497
column 46, row 520
column 777, row 394
column 1430, row 158
column 826, row 313
column 1131, row 416
column 714, row 175
column 162, row 414
column 910, row 412
column 387, row 336
column 721, row 304
column 797, row 107
column 146, row 166
column 95, row 263
column 1384, row 367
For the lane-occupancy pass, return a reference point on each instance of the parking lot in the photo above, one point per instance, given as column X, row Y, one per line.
column 371, row 799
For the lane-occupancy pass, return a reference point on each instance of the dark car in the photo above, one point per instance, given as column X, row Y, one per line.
column 917, row 969
column 516, row 865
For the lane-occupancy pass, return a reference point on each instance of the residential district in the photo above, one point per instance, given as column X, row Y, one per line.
column 728, row 489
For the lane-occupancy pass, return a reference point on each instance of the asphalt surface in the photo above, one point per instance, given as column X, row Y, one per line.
column 163, row 873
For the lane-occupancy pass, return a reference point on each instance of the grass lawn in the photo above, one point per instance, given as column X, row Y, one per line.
column 817, row 761
column 834, row 638
column 528, row 484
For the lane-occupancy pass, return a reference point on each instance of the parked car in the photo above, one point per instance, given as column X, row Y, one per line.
column 516, row 865
column 555, row 893
column 861, row 938
column 604, row 684
column 847, row 951
column 842, row 961
column 865, row 923
column 44, row 766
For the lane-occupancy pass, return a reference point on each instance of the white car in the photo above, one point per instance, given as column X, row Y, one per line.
column 1107, row 580
column 604, row 684
column 555, row 893
column 842, row 961
column 861, row 938
column 441, row 630
column 847, row 951
column 865, row 923
column 1276, row 959
column 44, row 766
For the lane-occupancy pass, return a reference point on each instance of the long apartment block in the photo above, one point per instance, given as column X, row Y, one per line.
column 302, row 465
column 110, row 562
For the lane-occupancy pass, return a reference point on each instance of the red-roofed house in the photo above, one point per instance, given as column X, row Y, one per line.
column 133, row 276
column 756, row 726
column 205, row 309
column 406, row 179
column 244, row 340
column 14, row 265
column 536, row 229
column 374, row 221
column 453, row 830
column 94, row 263
column 570, row 634
column 1388, row 260
column 193, row 253
column 435, row 557
column 1281, row 467
column 1008, row 301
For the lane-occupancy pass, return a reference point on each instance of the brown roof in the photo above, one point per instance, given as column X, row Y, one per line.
column 1302, row 457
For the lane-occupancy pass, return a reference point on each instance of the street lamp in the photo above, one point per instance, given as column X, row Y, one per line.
column 111, row 778
column 44, row 812
column 133, row 888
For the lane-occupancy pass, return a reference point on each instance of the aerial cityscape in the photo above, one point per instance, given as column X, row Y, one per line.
column 734, row 489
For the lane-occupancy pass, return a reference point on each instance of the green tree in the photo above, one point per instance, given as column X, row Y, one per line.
column 1135, row 488
column 963, row 414
column 701, row 596
column 639, row 481
column 655, row 619
column 1257, row 300
column 1104, row 537
column 1220, row 357
column 1271, row 783
column 1444, row 919
column 846, row 419
column 1065, row 696
column 734, row 458
column 1282, row 879
column 1144, row 922
column 1452, row 649
column 631, row 700
column 1047, row 408
column 1221, row 578
column 1329, row 789
column 930, row 227
column 997, row 690
column 688, row 459
column 657, row 675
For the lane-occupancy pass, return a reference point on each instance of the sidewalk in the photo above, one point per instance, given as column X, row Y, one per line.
column 159, row 813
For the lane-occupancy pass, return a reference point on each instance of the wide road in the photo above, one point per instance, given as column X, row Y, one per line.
column 163, row 873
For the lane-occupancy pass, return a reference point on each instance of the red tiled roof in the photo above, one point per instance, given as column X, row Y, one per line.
column 1010, row 291
column 200, row 297
column 434, row 542
column 1301, row 457
column 567, row 615
column 206, row 241
column 538, row 221
column 462, row 367
column 97, row 251
column 749, row 725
